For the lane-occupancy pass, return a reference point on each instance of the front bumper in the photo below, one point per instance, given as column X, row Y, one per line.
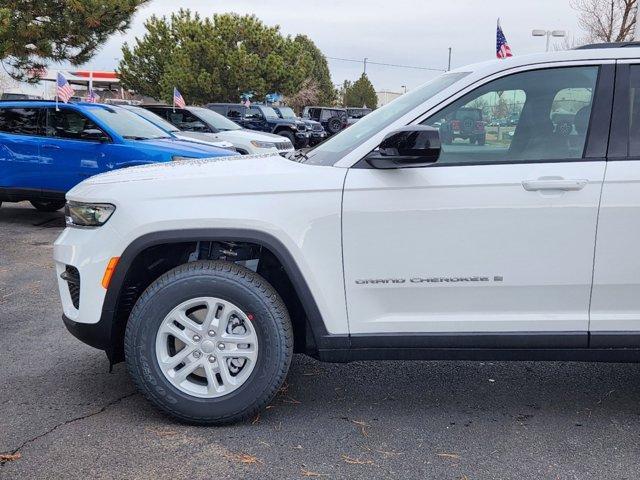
column 317, row 137
column 302, row 139
column 97, row 335
column 88, row 252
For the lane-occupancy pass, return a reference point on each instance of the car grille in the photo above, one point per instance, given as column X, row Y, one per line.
column 317, row 128
column 72, row 277
column 283, row 145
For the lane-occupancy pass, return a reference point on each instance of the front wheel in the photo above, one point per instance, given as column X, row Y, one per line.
column 209, row 342
column 288, row 134
column 47, row 205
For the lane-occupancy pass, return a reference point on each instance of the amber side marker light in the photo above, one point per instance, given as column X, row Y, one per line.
column 108, row 273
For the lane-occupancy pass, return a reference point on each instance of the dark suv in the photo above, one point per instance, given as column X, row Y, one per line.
column 318, row 133
column 354, row 114
column 332, row 119
column 465, row 123
column 264, row 119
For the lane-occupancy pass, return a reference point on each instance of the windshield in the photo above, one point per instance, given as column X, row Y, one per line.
column 333, row 149
column 128, row 124
column 287, row 112
column 268, row 112
column 153, row 118
column 214, row 119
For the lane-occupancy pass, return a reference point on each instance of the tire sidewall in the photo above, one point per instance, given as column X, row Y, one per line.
column 145, row 322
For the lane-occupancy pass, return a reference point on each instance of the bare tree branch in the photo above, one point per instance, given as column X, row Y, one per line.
column 607, row 20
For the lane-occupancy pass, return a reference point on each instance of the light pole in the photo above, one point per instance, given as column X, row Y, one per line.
column 548, row 34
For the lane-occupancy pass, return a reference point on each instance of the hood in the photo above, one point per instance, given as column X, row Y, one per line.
column 203, row 138
column 246, row 134
column 180, row 147
column 285, row 121
column 236, row 175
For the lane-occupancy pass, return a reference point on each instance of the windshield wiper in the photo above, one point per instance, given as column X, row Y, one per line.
column 134, row 137
column 299, row 156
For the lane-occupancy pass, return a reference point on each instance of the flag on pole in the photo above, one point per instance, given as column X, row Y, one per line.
column 92, row 96
column 502, row 47
column 64, row 91
column 178, row 101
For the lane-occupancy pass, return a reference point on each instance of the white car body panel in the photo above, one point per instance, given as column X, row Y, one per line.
column 465, row 222
column 212, row 194
column 242, row 139
column 615, row 304
column 556, row 261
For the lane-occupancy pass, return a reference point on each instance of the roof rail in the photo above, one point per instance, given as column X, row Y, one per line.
column 593, row 46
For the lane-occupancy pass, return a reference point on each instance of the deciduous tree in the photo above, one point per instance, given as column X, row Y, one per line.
column 320, row 74
column 607, row 20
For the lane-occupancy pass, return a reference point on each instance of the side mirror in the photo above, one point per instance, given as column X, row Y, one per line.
column 410, row 146
column 95, row 135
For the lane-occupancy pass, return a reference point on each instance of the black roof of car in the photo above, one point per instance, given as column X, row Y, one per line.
column 592, row 46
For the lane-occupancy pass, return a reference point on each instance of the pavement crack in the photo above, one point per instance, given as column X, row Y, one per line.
column 65, row 423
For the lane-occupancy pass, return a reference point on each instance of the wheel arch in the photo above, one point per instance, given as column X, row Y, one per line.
column 311, row 332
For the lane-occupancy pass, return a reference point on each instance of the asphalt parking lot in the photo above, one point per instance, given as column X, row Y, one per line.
column 63, row 415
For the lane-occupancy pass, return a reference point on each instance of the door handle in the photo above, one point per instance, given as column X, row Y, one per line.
column 567, row 185
column 48, row 146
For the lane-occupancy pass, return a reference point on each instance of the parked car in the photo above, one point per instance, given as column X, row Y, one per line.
column 379, row 243
column 265, row 119
column 333, row 119
column 45, row 151
column 318, row 133
column 197, row 137
column 465, row 123
column 354, row 114
column 209, row 124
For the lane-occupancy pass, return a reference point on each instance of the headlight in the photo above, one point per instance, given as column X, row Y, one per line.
column 87, row 214
column 178, row 158
column 259, row 144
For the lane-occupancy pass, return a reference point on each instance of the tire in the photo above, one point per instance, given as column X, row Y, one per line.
column 250, row 294
column 334, row 125
column 47, row 205
column 287, row 134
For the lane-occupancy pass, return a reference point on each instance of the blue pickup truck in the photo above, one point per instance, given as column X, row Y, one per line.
column 46, row 149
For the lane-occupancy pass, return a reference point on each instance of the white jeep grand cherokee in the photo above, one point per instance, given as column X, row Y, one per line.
column 205, row 276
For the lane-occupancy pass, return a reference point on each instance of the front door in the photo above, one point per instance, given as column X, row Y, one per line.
column 497, row 236
column 70, row 155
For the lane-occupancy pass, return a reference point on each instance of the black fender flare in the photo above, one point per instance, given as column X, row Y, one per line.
column 322, row 338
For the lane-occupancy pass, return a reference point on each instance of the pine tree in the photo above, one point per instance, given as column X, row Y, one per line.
column 34, row 33
column 360, row 94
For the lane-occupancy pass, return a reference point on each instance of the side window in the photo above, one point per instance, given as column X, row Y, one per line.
column 185, row 120
column 235, row 112
column 221, row 109
column 254, row 112
column 69, row 124
column 326, row 114
column 161, row 112
column 530, row 116
column 20, row 121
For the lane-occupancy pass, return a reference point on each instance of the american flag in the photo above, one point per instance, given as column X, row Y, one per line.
column 92, row 97
column 502, row 47
column 178, row 101
column 64, row 91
